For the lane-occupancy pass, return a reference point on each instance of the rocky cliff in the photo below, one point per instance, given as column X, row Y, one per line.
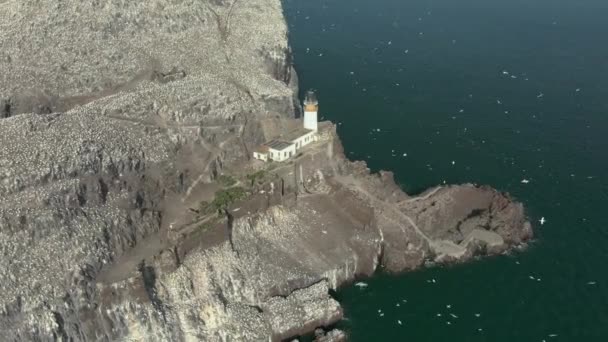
column 116, row 119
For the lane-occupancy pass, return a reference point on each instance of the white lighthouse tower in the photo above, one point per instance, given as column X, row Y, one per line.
column 311, row 107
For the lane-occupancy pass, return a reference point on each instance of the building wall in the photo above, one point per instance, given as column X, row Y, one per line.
column 310, row 120
column 284, row 154
column 260, row 156
column 304, row 140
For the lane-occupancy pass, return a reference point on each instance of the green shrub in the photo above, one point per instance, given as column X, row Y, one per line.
column 226, row 181
column 256, row 177
column 224, row 198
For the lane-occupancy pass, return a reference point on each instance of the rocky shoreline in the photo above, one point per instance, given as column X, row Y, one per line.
column 117, row 126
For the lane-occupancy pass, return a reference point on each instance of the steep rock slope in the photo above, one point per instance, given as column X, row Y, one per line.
column 106, row 110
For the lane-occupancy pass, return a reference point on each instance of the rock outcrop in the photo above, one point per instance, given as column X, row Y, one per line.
column 116, row 118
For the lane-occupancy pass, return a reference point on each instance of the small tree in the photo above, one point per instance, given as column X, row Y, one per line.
column 224, row 198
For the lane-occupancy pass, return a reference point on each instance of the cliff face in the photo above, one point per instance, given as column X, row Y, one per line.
column 116, row 119
column 106, row 110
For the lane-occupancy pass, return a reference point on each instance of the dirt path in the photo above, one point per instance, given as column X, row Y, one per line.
column 167, row 125
column 439, row 246
column 418, row 198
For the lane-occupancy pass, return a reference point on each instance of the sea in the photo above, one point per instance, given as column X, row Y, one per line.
column 509, row 93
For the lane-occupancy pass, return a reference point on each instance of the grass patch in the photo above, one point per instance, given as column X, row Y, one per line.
column 226, row 181
column 257, row 177
column 205, row 208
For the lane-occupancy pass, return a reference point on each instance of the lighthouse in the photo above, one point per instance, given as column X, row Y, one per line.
column 290, row 144
column 311, row 107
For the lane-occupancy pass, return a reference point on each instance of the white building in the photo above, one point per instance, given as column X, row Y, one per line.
column 287, row 145
column 300, row 137
column 279, row 150
column 261, row 153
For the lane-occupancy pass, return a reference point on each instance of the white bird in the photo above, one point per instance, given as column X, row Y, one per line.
column 540, row 95
column 477, row 315
column 399, row 321
column 542, row 220
column 361, row 284
column 525, row 181
column 578, row 89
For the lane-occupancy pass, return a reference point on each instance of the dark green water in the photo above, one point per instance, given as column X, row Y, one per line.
column 426, row 78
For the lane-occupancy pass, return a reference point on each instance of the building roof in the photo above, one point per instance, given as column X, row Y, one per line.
column 261, row 149
column 278, row 145
column 297, row 133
